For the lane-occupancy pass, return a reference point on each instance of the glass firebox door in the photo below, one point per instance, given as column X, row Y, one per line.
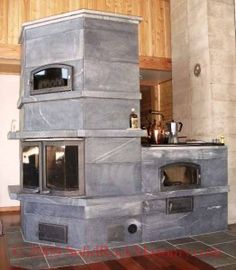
column 55, row 167
column 30, row 165
column 62, row 162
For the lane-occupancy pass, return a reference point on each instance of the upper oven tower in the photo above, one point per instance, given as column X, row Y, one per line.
column 79, row 81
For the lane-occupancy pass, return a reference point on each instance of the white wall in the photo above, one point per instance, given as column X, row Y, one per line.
column 9, row 157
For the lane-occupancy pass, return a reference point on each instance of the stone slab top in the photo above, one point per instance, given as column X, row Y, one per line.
column 81, row 13
column 182, row 146
column 16, row 193
column 64, row 134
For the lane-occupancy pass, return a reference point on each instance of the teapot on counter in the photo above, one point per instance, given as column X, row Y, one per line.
column 173, row 129
column 156, row 132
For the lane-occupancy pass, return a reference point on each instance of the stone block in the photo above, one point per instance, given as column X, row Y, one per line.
column 209, row 214
column 50, row 29
column 226, row 28
column 163, row 226
column 108, row 113
column 105, row 179
column 111, row 76
column 53, row 115
column 86, row 234
column 223, row 74
column 220, row 9
column 150, row 177
column 80, row 113
column 213, row 210
column 112, row 150
column 223, row 109
column 223, row 92
column 110, row 46
column 226, row 44
column 109, row 25
column 51, row 49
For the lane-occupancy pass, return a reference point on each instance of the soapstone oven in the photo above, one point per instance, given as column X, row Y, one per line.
column 85, row 178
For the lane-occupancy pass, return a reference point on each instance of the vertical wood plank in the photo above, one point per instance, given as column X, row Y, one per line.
column 167, row 29
column 3, row 21
column 145, row 35
column 13, row 21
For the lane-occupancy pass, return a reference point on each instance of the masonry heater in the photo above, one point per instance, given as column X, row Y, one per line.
column 85, row 178
column 79, row 81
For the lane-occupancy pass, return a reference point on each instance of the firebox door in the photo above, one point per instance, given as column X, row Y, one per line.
column 53, row 166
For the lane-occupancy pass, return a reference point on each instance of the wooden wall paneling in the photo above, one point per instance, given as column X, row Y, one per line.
column 24, row 12
column 13, row 21
column 3, row 21
column 110, row 5
column 145, row 33
column 35, row 9
column 166, row 100
column 156, row 21
column 154, row 30
column 167, row 29
column 73, row 5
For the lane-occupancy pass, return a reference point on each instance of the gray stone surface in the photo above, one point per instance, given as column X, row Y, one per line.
column 109, row 45
column 52, row 48
column 112, row 179
column 77, row 95
column 206, row 218
column 212, row 160
column 128, row 133
column 111, row 76
column 87, row 113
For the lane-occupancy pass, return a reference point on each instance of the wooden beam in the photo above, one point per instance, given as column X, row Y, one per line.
column 10, row 209
column 9, row 59
column 148, row 83
column 155, row 63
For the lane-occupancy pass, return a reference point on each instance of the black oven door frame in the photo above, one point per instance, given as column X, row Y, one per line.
column 49, row 90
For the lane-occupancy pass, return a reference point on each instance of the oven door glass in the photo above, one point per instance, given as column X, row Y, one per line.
column 180, row 175
column 51, row 78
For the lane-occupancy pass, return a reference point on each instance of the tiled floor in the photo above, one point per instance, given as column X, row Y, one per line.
column 217, row 249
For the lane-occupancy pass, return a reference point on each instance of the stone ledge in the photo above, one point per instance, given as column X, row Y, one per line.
column 16, row 194
column 63, row 134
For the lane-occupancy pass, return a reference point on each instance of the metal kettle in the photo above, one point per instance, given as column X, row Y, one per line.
column 155, row 130
column 173, row 129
